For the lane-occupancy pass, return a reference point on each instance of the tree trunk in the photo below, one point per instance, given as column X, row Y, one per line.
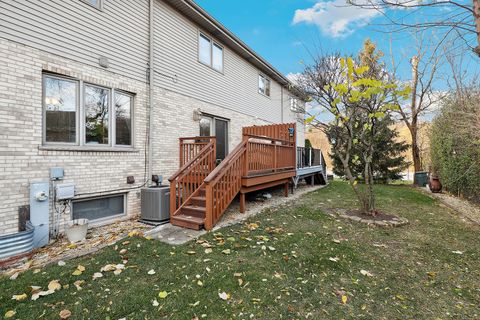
column 417, row 161
column 476, row 17
column 369, row 196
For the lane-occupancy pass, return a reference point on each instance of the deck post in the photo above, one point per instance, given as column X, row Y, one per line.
column 285, row 189
column 242, row 202
column 310, row 157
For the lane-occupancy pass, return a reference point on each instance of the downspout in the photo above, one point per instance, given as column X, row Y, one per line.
column 282, row 103
column 151, row 75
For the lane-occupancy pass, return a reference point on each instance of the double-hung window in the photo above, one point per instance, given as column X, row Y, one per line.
column 263, row 85
column 82, row 114
column 210, row 53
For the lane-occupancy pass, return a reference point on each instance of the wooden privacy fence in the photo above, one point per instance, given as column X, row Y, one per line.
column 273, row 131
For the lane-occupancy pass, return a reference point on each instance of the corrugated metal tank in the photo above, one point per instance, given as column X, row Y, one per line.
column 17, row 243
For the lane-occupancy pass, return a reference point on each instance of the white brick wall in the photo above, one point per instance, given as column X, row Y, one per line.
column 23, row 160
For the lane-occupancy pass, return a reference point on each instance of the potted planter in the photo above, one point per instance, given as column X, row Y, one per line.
column 77, row 230
column 435, row 184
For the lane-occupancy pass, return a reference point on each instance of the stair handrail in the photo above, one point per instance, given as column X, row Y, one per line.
column 237, row 156
column 226, row 162
column 209, row 151
column 193, row 160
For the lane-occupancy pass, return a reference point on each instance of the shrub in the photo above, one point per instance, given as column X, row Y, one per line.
column 455, row 145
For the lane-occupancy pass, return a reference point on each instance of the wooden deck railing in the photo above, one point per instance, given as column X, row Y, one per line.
column 191, row 146
column 268, row 155
column 224, row 183
column 190, row 177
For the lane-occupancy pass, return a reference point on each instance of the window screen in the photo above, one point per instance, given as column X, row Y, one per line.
column 99, row 208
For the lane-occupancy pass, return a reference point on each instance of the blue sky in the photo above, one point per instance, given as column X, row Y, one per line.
column 287, row 32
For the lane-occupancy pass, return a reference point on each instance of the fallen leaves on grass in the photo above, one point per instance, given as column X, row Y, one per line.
column 19, row 297
column 10, row 313
column 54, row 285
column 65, row 314
column 78, row 284
column 97, row 275
column 162, row 294
column 334, row 259
column 457, row 252
column 252, row 226
column 224, row 296
column 151, row 272
column 366, row 273
column 226, row 251
column 79, row 270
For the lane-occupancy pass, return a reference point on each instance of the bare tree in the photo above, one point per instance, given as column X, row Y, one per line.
column 424, row 65
column 458, row 18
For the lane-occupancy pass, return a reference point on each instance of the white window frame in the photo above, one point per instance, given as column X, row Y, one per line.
column 99, row 5
column 267, row 79
column 212, row 44
column 80, row 131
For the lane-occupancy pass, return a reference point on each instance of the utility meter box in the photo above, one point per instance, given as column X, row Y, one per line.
column 65, row 191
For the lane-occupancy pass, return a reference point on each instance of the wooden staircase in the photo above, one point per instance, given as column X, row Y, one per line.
column 192, row 216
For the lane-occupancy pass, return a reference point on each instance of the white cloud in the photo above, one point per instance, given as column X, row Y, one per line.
column 294, row 77
column 335, row 18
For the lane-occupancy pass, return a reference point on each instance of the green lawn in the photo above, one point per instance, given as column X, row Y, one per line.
column 282, row 269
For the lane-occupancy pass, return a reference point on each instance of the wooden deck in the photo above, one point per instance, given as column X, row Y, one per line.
column 201, row 193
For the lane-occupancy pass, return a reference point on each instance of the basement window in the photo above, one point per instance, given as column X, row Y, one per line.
column 100, row 208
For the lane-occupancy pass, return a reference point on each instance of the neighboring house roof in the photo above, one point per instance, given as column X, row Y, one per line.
column 198, row 15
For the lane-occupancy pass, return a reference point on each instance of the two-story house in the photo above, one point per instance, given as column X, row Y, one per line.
column 104, row 88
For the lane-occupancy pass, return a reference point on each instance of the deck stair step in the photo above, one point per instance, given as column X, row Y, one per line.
column 199, row 201
column 194, row 211
column 187, row 221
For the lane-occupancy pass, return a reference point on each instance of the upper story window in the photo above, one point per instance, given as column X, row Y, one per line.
column 210, row 53
column 263, row 85
column 91, row 121
column 94, row 3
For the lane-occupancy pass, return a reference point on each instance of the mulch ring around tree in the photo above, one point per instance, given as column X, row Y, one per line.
column 380, row 219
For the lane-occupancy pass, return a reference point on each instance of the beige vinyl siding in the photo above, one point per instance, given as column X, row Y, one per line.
column 78, row 31
column 176, row 55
